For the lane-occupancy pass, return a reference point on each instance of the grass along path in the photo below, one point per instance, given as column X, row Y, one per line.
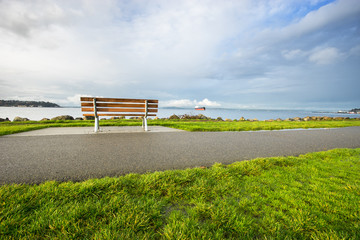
column 312, row 196
column 201, row 125
column 188, row 125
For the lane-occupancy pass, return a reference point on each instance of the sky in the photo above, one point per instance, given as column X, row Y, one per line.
column 264, row 54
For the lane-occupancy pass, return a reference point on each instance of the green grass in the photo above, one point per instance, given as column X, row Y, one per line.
column 312, row 196
column 188, row 125
column 205, row 125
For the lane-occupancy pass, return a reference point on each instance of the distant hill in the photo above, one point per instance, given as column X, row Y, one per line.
column 355, row 110
column 17, row 103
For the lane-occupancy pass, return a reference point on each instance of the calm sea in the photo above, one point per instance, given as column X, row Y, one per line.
column 39, row 113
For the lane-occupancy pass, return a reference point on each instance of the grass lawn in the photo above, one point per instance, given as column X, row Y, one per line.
column 206, row 125
column 189, row 125
column 312, row 196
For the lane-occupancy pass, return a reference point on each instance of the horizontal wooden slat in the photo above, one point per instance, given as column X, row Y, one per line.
column 113, row 114
column 88, row 99
column 120, row 105
column 86, row 104
column 117, row 110
column 113, row 105
column 128, row 100
column 120, row 110
column 124, row 110
column 113, row 109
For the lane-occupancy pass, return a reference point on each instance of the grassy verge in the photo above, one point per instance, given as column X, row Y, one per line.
column 313, row 196
column 206, row 125
column 189, row 125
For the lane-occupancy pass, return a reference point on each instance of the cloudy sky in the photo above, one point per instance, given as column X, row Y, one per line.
column 229, row 53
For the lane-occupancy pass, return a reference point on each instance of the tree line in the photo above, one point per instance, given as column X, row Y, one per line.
column 18, row 103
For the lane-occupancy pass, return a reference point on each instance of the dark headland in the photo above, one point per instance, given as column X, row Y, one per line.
column 18, row 103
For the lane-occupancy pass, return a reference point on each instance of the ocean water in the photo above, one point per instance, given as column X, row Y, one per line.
column 39, row 113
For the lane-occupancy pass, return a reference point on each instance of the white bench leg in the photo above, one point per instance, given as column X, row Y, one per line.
column 145, row 124
column 96, row 124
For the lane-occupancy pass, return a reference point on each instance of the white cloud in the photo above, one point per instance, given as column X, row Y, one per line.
column 75, row 100
column 292, row 54
column 227, row 51
column 25, row 19
column 329, row 16
column 135, row 43
column 319, row 55
column 207, row 103
column 326, row 15
column 178, row 103
column 190, row 103
column 325, row 56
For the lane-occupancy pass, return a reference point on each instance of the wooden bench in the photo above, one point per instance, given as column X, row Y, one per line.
column 91, row 106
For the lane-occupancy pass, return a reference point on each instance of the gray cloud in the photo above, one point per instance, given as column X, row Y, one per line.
column 258, row 53
column 23, row 18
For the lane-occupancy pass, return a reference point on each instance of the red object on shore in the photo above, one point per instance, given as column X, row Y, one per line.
column 200, row 108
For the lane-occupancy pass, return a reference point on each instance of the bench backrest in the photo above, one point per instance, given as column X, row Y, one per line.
column 118, row 107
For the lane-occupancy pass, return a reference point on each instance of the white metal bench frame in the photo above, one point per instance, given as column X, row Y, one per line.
column 96, row 107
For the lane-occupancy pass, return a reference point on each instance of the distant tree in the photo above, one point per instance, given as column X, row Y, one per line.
column 18, row 103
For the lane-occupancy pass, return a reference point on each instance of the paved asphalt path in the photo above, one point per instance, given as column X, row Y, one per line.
column 35, row 159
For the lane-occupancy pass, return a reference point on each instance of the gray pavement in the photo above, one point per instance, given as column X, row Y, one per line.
column 90, row 130
column 77, row 154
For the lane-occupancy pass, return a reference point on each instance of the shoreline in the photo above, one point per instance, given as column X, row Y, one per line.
column 186, row 117
column 38, row 113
